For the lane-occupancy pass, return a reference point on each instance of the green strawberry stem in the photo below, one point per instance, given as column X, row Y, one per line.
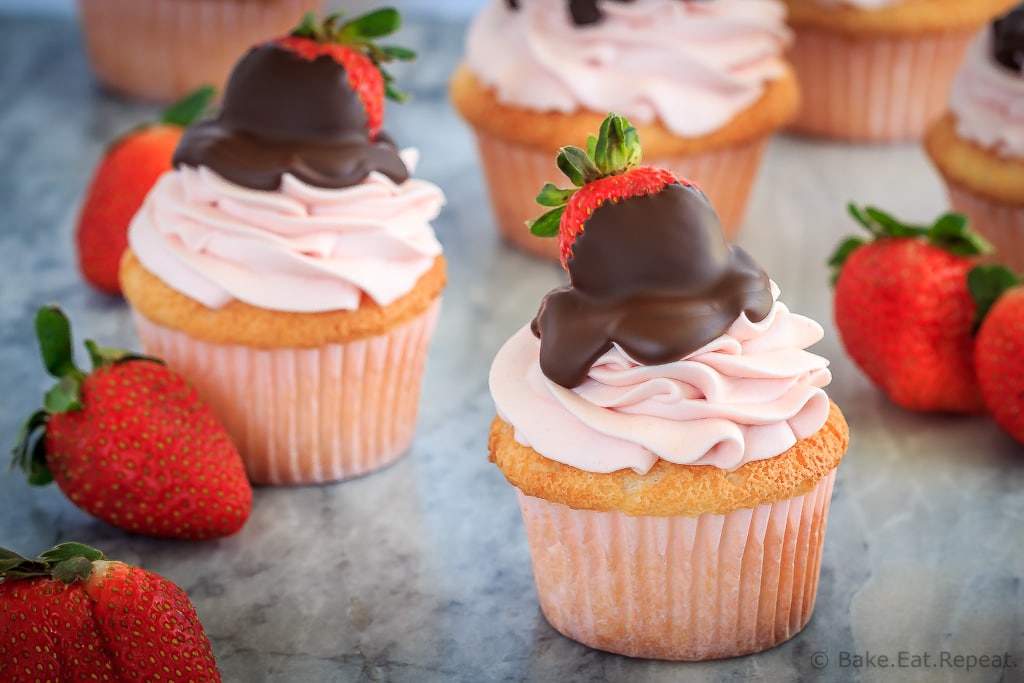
column 187, row 111
column 949, row 232
column 987, row 283
column 67, row 562
column 53, row 331
column 359, row 34
column 614, row 151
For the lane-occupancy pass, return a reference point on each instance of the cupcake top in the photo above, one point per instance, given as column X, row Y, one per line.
column 987, row 97
column 292, row 198
column 668, row 343
column 692, row 64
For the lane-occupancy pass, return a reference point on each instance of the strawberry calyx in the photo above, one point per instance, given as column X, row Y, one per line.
column 949, row 232
column 614, row 151
column 359, row 34
column 53, row 331
column 188, row 109
column 67, row 562
column 987, row 283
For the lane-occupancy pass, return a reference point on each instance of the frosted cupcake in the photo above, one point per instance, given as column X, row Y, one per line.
column 978, row 145
column 668, row 434
column 879, row 70
column 162, row 49
column 705, row 82
column 288, row 268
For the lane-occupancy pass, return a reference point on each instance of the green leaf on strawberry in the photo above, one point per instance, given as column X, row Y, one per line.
column 614, row 151
column 987, row 282
column 949, row 232
column 188, row 110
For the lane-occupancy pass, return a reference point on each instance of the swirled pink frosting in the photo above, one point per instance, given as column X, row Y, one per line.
column 692, row 65
column 301, row 248
column 988, row 101
column 748, row 395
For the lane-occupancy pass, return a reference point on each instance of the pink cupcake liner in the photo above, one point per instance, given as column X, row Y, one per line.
column 516, row 173
column 1001, row 224
column 305, row 416
column 679, row 588
column 162, row 49
column 878, row 89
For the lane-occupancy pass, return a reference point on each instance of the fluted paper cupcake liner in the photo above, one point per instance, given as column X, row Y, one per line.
column 303, row 416
column 679, row 588
column 876, row 89
column 1001, row 224
column 516, row 173
column 162, row 49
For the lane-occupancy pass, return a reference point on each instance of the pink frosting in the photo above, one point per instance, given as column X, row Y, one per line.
column 693, row 65
column 301, row 248
column 861, row 4
column 988, row 100
column 748, row 395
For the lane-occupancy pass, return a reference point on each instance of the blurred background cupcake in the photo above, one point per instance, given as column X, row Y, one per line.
column 705, row 83
column 879, row 70
column 161, row 49
column 978, row 145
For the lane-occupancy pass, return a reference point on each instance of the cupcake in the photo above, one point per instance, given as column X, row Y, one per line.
column 978, row 145
column 669, row 438
column 705, row 83
column 879, row 70
column 161, row 49
column 287, row 265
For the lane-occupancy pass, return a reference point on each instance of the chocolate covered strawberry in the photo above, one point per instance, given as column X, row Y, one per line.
column 73, row 615
column 132, row 443
column 125, row 174
column 351, row 44
column 609, row 169
column 999, row 344
column 904, row 312
column 649, row 268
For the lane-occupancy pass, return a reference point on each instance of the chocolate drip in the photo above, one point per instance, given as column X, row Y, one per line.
column 652, row 274
column 1008, row 39
column 286, row 114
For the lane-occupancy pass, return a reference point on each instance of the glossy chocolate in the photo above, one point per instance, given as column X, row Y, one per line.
column 285, row 114
column 652, row 274
column 1008, row 39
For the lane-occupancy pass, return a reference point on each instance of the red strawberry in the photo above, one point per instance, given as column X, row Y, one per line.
column 999, row 344
column 903, row 310
column 122, row 179
column 132, row 443
column 351, row 45
column 71, row 614
column 607, row 170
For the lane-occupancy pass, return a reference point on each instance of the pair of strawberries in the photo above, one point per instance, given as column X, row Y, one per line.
column 927, row 324
column 131, row 442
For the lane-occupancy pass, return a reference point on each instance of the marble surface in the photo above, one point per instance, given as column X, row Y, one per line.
column 420, row 572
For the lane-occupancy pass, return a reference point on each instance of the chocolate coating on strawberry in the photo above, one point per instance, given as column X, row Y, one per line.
column 286, row 114
column 652, row 274
column 1008, row 39
column 649, row 266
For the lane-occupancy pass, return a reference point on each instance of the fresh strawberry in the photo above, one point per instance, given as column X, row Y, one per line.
column 999, row 344
column 903, row 310
column 71, row 614
column 351, row 45
column 125, row 174
column 132, row 443
column 609, row 169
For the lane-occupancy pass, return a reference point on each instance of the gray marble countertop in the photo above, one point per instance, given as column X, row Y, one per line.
column 420, row 572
